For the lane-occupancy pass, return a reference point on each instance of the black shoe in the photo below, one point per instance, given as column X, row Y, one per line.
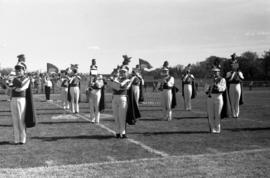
column 117, row 135
column 124, row 136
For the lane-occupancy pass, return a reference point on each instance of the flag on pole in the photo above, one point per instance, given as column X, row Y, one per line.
column 51, row 68
column 144, row 64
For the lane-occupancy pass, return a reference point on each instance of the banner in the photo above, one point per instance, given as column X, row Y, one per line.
column 51, row 68
column 145, row 64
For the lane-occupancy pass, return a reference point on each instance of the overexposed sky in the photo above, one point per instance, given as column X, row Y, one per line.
column 63, row 32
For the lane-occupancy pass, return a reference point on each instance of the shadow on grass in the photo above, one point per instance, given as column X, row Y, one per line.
column 190, row 117
column 249, row 129
column 151, row 119
column 170, row 133
column 4, row 111
column 6, row 143
column 95, row 137
column 64, row 122
column 5, row 125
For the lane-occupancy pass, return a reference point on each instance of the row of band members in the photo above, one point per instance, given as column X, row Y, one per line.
column 223, row 95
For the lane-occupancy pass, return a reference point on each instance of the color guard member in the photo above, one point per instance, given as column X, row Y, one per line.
column 234, row 81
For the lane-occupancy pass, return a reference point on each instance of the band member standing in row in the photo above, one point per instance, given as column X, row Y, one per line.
column 137, row 84
column 96, row 90
column 18, row 101
column 48, row 86
column 166, row 85
column 214, row 91
column 74, row 84
column 120, row 103
column 188, row 88
column 64, row 88
column 234, row 80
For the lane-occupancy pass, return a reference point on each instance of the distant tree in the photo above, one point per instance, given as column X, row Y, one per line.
column 6, row 71
column 266, row 64
column 250, row 65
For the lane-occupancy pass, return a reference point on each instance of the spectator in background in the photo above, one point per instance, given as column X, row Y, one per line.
column 250, row 85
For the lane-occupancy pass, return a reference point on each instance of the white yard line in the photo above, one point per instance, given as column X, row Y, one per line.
column 140, row 160
column 147, row 148
column 262, row 122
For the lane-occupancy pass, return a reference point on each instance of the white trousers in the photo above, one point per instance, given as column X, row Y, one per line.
column 187, row 96
column 234, row 94
column 166, row 102
column 17, row 106
column 136, row 92
column 74, row 93
column 214, row 107
column 94, row 99
column 64, row 96
column 119, row 106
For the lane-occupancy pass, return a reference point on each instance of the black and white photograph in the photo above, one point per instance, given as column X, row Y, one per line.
column 134, row 88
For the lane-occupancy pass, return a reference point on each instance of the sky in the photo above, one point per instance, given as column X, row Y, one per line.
column 64, row 32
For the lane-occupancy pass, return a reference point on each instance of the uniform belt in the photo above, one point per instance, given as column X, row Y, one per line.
column 73, row 85
column 119, row 95
column 187, row 83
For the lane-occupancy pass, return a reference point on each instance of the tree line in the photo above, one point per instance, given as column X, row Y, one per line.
column 253, row 66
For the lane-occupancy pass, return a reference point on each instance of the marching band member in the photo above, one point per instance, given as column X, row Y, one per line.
column 125, row 109
column 20, row 105
column 74, row 89
column 64, row 88
column 96, row 90
column 234, row 80
column 48, row 86
column 165, row 86
column 137, row 84
column 215, row 90
column 188, row 88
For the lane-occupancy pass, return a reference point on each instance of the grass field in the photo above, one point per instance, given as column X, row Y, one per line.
column 66, row 145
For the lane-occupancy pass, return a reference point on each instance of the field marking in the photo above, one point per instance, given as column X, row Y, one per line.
column 198, row 156
column 247, row 119
column 147, row 148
